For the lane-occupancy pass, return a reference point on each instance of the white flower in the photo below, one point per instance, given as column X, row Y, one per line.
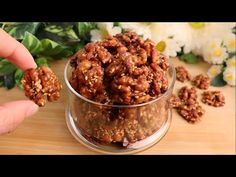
column 214, row 52
column 197, row 31
column 203, row 33
column 214, row 70
column 169, row 47
column 166, row 37
column 231, row 62
column 104, row 30
column 140, row 28
column 229, row 42
column 229, row 76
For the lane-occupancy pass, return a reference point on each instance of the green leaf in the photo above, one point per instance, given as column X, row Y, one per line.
column 31, row 43
column 17, row 29
column 65, row 31
column 79, row 46
column 83, row 30
column 181, row 52
column 218, row 81
column 18, row 76
column 54, row 50
column 1, row 81
column 9, row 80
column 6, row 68
column 234, row 30
column 54, row 29
column 231, row 54
column 117, row 24
column 189, row 58
column 41, row 61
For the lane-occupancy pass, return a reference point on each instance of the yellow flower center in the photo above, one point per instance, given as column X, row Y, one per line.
column 217, row 52
column 232, row 63
column 231, row 43
column 214, row 71
column 104, row 34
column 229, row 77
column 197, row 25
column 161, row 46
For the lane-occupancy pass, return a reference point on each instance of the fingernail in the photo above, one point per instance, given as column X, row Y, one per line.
column 33, row 108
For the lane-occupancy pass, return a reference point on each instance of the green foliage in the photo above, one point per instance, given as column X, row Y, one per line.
column 45, row 41
column 218, row 81
column 189, row 58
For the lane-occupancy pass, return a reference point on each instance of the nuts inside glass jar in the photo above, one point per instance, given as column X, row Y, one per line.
column 123, row 70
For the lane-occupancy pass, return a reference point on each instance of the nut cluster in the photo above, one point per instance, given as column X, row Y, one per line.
column 202, row 81
column 213, row 98
column 187, row 105
column 174, row 101
column 41, row 83
column 123, row 69
column 182, row 74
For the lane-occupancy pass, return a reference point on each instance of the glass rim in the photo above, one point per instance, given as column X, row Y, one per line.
column 120, row 106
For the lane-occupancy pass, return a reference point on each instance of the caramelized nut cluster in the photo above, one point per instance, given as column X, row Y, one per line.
column 202, row 81
column 40, row 83
column 123, row 69
column 187, row 105
column 182, row 74
column 213, row 98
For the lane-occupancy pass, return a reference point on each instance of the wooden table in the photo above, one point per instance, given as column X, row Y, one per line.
column 47, row 132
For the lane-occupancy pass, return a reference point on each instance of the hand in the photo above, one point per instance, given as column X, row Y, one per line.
column 13, row 113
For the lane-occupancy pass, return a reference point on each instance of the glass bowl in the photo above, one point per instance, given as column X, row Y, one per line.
column 118, row 129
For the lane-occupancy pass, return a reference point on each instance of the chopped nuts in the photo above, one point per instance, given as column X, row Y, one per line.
column 182, row 74
column 213, row 98
column 39, row 83
column 202, row 81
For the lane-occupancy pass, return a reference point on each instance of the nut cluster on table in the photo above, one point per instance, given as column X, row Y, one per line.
column 213, row 98
column 186, row 103
column 182, row 74
column 202, row 81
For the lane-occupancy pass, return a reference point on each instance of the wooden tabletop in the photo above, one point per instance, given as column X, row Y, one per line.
column 46, row 132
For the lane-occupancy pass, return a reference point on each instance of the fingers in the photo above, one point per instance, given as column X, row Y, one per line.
column 13, row 113
column 15, row 52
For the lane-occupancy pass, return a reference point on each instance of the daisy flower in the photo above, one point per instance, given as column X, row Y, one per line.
column 231, row 62
column 202, row 33
column 214, row 52
column 229, row 76
column 140, row 28
column 214, row 70
column 104, row 30
column 169, row 47
column 165, row 36
column 229, row 42
column 197, row 31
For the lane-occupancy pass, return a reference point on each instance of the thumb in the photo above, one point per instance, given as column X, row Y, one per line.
column 13, row 113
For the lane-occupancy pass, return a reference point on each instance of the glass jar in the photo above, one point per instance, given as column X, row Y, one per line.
column 118, row 129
